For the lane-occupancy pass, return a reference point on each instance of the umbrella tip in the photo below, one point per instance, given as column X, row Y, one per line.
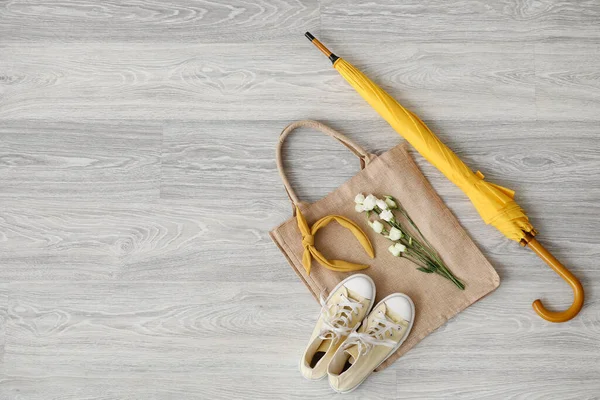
column 332, row 57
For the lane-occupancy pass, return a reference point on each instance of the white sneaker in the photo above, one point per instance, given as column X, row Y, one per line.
column 343, row 311
column 379, row 336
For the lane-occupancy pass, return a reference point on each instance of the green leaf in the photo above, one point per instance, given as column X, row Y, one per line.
column 423, row 269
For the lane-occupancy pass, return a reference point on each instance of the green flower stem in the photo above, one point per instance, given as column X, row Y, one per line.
column 423, row 255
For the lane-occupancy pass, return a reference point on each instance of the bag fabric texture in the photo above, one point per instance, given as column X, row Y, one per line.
column 393, row 173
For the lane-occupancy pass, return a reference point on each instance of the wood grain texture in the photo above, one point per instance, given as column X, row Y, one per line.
column 568, row 84
column 389, row 21
column 138, row 186
column 492, row 385
column 195, row 21
column 83, row 241
column 3, row 322
column 71, row 160
column 201, row 385
column 264, row 81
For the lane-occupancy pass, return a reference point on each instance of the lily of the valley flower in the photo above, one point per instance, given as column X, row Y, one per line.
column 359, row 198
column 386, row 215
column 390, row 202
column 381, row 204
column 401, row 248
column 377, row 226
column 397, row 249
column 369, row 202
column 395, row 234
column 359, row 207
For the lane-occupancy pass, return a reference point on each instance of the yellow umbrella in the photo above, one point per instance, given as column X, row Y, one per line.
column 494, row 203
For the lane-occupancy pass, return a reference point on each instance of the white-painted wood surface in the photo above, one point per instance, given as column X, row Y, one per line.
column 138, row 186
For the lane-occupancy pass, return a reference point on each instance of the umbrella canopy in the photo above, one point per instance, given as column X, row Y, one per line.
column 494, row 203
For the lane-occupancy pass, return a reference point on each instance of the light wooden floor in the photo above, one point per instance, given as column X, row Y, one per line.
column 138, row 186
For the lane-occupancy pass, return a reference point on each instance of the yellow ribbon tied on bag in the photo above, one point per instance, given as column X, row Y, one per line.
column 308, row 242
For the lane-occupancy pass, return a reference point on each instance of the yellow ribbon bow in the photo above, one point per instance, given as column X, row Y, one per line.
column 308, row 242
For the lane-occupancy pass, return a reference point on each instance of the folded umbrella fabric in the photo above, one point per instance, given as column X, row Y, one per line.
column 494, row 203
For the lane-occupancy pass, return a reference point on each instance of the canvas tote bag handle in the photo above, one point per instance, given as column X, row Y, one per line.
column 361, row 153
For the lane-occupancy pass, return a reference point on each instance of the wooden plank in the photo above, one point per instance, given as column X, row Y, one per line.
column 485, row 384
column 568, row 84
column 73, row 160
column 284, row 80
column 123, row 242
column 149, row 21
column 392, row 22
column 285, row 384
column 3, row 322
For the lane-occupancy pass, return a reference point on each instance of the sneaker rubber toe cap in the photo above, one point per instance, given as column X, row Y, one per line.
column 401, row 306
column 361, row 285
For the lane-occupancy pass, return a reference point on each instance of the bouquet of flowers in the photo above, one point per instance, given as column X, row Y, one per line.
column 408, row 243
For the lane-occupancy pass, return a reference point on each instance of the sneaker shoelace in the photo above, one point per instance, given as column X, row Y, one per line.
column 338, row 323
column 375, row 335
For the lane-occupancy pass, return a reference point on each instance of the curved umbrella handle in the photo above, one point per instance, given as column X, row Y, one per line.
column 557, row 316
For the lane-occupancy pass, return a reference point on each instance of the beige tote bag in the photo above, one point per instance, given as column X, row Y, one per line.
column 393, row 173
